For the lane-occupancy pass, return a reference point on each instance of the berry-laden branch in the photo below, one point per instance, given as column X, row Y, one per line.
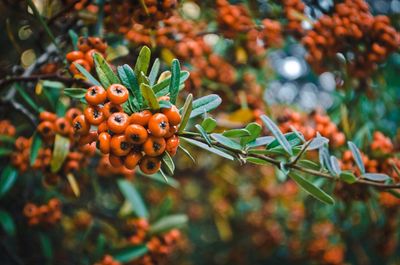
column 139, row 125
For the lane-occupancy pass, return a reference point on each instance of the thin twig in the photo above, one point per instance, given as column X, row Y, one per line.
column 54, row 77
column 277, row 163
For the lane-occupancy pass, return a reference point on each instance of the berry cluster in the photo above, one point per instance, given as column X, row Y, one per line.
column 137, row 230
column 353, row 31
column 293, row 10
column 311, row 124
column 121, row 14
column 49, row 213
column 381, row 143
column 6, row 128
column 139, row 139
column 233, row 19
column 108, row 260
column 160, row 247
column 84, row 55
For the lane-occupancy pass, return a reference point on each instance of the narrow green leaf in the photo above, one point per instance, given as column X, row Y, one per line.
column 260, row 141
column 7, row 179
column 255, row 131
column 209, row 124
column 132, row 195
column 205, row 104
column 375, row 176
column 5, row 151
column 317, row 143
column 7, row 223
column 335, row 165
column 291, row 137
column 27, row 98
column 129, row 254
column 277, row 133
column 186, row 111
column 60, row 152
column 74, row 38
column 46, row 245
column 6, row 138
column 347, row 177
column 36, row 145
column 226, row 141
column 208, row 148
column 159, row 178
column 74, row 92
column 148, row 95
column 162, row 88
column 357, row 156
column 168, row 164
column 203, row 134
column 175, row 80
column 187, row 153
column 169, row 222
column 325, row 159
column 154, row 72
column 312, row 189
column 142, row 63
column 309, row 164
column 257, row 161
column 236, row 133
column 133, row 84
column 104, row 72
column 88, row 75
column 165, row 104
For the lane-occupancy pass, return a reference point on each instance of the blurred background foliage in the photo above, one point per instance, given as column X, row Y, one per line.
column 238, row 214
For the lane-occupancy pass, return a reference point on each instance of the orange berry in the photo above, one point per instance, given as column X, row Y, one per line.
column 117, row 94
column 154, row 146
column 95, row 95
column 158, row 125
column 150, row 165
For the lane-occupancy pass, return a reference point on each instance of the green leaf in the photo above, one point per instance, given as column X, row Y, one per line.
column 36, row 145
column 169, row 222
column 142, row 63
column 254, row 129
column 74, row 39
column 74, row 92
column 291, row 137
column 27, row 98
column 236, row 133
column 317, row 143
column 226, row 141
column 6, row 138
column 203, row 134
column 7, row 223
column 309, row 164
column 7, row 179
column 175, row 80
column 325, row 159
column 187, row 153
column 168, row 164
column 104, row 72
column 131, row 79
column 347, row 177
column 132, row 195
column 165, row 104
column 375, row 176
column 5, row 151
column 357, row 156
column 162, row 88
column 209, row 124
column 312, row 189
column 260, row 141
column 154, row 72
column 130, row 253
column 60, row 152
column 257, row 161
column 208, row 148
column 204, row 104
column 158, row 177
column 46, row 245
column 335, row 165
column 88, row 75
column 277, row 133
column 149, row 96
column 186, row 111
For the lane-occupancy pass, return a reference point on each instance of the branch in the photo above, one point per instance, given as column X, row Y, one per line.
column 293, row 166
